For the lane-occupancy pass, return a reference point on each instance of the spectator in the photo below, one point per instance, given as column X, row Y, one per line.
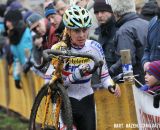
column 20, row 39
column 17, row 5
column 132, row 34
column 149, row 10
column 37, row 49
column 82, row 3
column 139, row 5
column 5, row 50
column 55, row 19
column 42, row 27
column 2, row 11
column 26, row 15
column 152, row 49
column 106, row 32
column 152, row 77
column 47, row 2
column 9, row 2
column 61, row 7
column 4, row 47
column 14, row 5
column 106, row 29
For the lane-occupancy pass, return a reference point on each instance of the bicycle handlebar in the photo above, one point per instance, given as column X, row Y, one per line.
column 48, row 52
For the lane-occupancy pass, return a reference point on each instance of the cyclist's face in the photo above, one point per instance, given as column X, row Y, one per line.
column 151, row 80
column 79, row 36
column 40, row 28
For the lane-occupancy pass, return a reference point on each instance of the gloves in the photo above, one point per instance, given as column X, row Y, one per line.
column 111, row 89
column 27, row 66
column 18, row 84
column 80, row 72
column 77, row 74
column 111, row 86
column 115, row 89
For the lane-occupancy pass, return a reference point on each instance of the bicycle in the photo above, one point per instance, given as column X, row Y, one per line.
column 53, row 95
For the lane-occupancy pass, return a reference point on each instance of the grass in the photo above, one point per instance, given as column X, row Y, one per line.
column 11, row 122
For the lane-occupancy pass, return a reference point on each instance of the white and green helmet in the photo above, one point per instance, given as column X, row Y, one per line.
column 77, row 17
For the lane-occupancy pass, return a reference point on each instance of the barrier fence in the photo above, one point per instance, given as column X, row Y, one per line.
column 112, row 113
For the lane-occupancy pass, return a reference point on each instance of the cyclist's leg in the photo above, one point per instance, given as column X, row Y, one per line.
column 88, row 115
column 84, row 113
column 76, row 106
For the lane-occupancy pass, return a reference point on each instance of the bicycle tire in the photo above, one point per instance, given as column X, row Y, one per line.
column 66, row 110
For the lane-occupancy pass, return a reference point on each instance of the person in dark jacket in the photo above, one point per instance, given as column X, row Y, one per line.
column 42, row 27
column 152, row 49
column 149, row 10
column 132, row 34
column 106, row 29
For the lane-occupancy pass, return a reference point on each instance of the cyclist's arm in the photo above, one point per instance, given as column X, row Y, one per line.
column 105, row 77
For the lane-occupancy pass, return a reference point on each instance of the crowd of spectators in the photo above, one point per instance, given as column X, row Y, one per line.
column 116, row 27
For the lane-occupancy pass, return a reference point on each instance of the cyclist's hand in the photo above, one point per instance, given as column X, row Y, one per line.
column 115, row 89
column 80, row 72
column 117, row 92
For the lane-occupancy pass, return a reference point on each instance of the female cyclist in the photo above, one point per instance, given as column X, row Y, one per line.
column 77, row 22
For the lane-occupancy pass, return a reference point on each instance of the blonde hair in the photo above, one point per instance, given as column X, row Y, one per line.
column 66, row 38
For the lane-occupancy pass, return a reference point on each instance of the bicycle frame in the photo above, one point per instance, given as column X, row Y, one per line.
column 58, row 65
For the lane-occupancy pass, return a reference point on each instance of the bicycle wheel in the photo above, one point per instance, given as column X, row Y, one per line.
column 37, row 121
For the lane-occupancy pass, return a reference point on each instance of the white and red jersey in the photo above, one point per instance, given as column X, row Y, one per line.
column 82, row 87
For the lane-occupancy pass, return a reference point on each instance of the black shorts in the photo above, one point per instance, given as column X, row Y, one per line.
column 84, row 113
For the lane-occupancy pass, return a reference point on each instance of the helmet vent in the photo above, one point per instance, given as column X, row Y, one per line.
column 76, row 12
column 67, row 16
column 83, row 12
column 76, row 20
column 85, row 19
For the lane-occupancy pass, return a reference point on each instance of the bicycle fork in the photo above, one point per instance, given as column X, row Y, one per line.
column 48, row 98
column 57, row 107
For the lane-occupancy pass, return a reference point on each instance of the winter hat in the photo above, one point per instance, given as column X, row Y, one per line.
column 154, row 69
column 101, row 5
column 15, row 5
column 121, row 7
column 49, row 10
column 33, row 19
column 26, row 15
column 9, row 2
column 149, row 9
column 13, row 16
